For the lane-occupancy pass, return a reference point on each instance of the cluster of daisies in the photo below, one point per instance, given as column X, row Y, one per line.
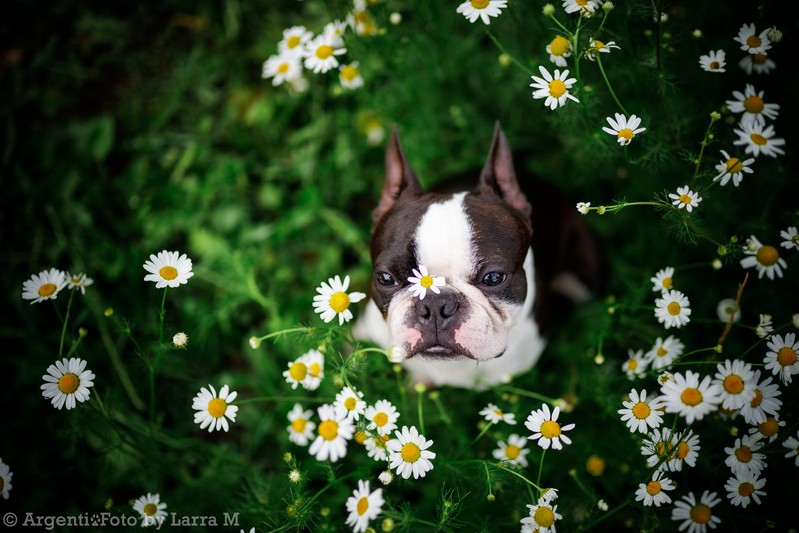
column 755, row 44
column 300, row 50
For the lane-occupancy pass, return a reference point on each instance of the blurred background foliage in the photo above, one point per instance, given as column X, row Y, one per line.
column 128, row 128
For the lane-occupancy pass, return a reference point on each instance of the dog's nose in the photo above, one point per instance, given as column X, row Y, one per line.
column 437, row 306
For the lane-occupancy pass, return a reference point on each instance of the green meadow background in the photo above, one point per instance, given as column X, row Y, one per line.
column 128, row 128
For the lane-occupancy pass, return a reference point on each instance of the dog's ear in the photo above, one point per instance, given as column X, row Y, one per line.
column 499, row 176
column 400, row 178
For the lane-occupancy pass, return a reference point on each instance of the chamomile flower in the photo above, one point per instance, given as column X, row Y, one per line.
column 765, row 258
column 696, row 516
column 333, row 432
column 792, row 444
column 744, row 456
column 301, row 426
column 542, row 517
column 758, row 139
column 382, row 417
column 585, row 7
column 168, row 269
column 408, row 453
column 672, row 309
column 5, row 479
column 765, row 401
column 377, row 448
column 713, row 61
column 751, row 41
column 350, row 76
column 735, row 378
column 781, row 359
column 294, row 40
column 663, row 279
column 282, row 68
column 482, row 9
column 180, row 340
column 67, row 381
column 653, row 492
column 743, row 488
column 596, row 47
column 44, row 286
column 685, row 198
column 79, row 281
column 582, row 207
column 554, row 88
column 421, row 281
column 364, row 505
column 690, row 398
column 213, row 410
column 759, row 63
column 307, row 370
column 361, row 20
column 151, row 508
column 623, row 128
column 349, row 404
column 559, row 49
column 513, row 451
column 768, row 429
column 494, row 414
column 664, row 352
column 332, row 300
column 635, row 365
column 320, row 53
column 732, row 168
column 791, row 237
column 764, row 326
column 685, row 449
column 641, row 414
column 386, row 477
column 546, row 429
column 752, row 105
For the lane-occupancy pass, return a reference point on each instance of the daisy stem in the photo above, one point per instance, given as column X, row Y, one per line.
column 255, row 399
column 154, row 365
column 482, row 432
column 607, row 82
column 580, row 484
column 504, row 51
column 64, row 326
column 541, row 468
column 530, row 483
column 703, row 145
column 285, row 332
column 419, row 411
column 529, row 394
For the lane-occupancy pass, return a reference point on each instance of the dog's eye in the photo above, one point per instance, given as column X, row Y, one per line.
column 492, row 279
column 385, row 279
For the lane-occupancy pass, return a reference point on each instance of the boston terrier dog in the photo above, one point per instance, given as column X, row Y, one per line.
column 500, row 258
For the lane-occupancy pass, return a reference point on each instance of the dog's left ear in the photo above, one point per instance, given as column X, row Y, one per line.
column 499, row 175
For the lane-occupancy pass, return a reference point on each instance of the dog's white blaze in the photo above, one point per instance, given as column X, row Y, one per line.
column 443, row 240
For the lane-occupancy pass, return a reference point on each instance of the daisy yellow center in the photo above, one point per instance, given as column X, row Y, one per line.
column 380, row 419
column 297, row 371
column 769, row 428
column 734, row 165
column 744, row 454
column 753, row 41
column 733, row 384
column 661, row 351
column 479, row 4
column 746, row 489
column 361, row 436
column 339, row 302
column 559, row 46
column 626, row 133
column 68, row 383
column 684, row 198
column 328, row 430
column 283, row 68
column 293, row 41
column 217, row 407
column 759, row 59
column 426, row 282
column 557, row 88
column 633, row 364
column 653, row 487
column 168, row 272
column 550, row 429
column 758, row 139
column 349, row 73
column 544, row 517
column 363, row 505
column 682, row 450
column 641, row 410
column 666, row 283
column 767, row 255
column 582, row 2
column 595, row 465
column 754, row 104
column 663, row 449
column 691, row 396
column 47, row 289
column 499, row 413
column 410, row 452
column 598, row 44
column 350, row 403
column 673, row 308
column 714, row 65
column 786, row 356
column 512, row 452
column 758, row 399
column 314, row 369
column 298, row 425
column 324, row 51
column 150, row 509
column 700, row 513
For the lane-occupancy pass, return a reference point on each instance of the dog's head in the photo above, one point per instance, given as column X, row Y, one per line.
column 477, row 241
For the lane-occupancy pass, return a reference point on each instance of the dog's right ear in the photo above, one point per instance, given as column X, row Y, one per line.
column 400, row 178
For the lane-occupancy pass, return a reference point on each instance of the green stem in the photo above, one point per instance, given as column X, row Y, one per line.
column 64, row 325
column 541, row 467
column 502, row 49
column 420, row 412
column 303, row 329
column 607, row 83
column 256, row 399
column 483, row 431
column 529, row 394
column 702, row 149
column 159, row 349
column 518, row 475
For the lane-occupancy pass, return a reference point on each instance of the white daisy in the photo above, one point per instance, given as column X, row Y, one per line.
column 764, row 326
column 332, row 299
column 333, row 432
column 382, row 417
column 408, row 453
column 585, row 7
column 663, row 279
column 623, row 128
column 791, row 237
column 635, row 365
column 765, row 401
column 338, row 28
column 733, row 168
column 751, row 41
column 559, row 49
column 320, row 53
column 294, row 40
column 759, row 63
column 281, row 68
column 301, row 426
column 690, row 398
column 768, row 429
column 657, row 448
column 742, row 488
column 513, row 451
column 377, row 447
column 728, row 311
column 736, row 381
column 67, row 381
column 168, row 269
column 792, row 444
column 686, row 198
column 684, row 446
column 752, row 105
column 363, row 506
column 714, row 61
column 596, row 47
column 361, row 20
column 152, row 510
column 494, row 414
column 696, row 516
column 482, row 9
column 180, row 340
column 546, row 430
column 421, row 281
column 781, row 359
column 641, row 414
column 765, row 258
column 744, row 456
column 672, row 309
column 350, row 76
column 386, row 477
column 664, row 352
column 213, row 410
column 758, row 139
column 653, row 492
column 582, row 207
column 349, row 404
column 554, row 88
column 307, row 370
column 542, row 517
column 79, row 281
column 44, row 286
column 6, row 475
